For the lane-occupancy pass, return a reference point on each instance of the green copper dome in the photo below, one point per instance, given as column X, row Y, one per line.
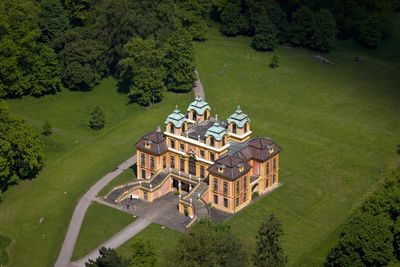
column 176, row 118
column 239, row 118
column 199, row 105
column 217, row 131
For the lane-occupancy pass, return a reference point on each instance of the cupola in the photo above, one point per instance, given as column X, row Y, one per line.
column 198, row 110
column 216, row 133
column 176, row 120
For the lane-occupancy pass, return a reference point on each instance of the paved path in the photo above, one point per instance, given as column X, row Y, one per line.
column 116, row 241
column 198, row 89
column 71, row 237
column 80, row 211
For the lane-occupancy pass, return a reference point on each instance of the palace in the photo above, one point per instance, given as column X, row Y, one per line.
column 207, row 161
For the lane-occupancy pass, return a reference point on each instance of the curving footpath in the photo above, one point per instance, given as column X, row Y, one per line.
column 71, row 237
column 128, row 232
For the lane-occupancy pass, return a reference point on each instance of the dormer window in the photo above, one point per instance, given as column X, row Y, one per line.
column 221, row 168
column 241, row 167
column 147, row 144
column 270, row 149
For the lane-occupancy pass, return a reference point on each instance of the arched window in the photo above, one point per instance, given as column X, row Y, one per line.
column 233, row 128
column 194, row 115
column 212, row 143
column 245, row 127
column 172, row 128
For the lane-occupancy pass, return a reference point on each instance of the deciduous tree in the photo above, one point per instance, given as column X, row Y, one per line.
column 366, row 240
column 47, row 129
column 142, row 253
column 180, row 62
column 108, row 258
column 143, row 70
column 266, row 38
column 97, row 119
column 324, row 34
column 21, row 151
column 208, row 244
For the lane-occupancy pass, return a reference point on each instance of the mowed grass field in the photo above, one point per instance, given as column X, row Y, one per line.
column 337, row 126
column 76, row 157
column 101, row 222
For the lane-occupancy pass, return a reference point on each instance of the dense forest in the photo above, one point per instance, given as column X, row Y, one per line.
column 49, row 44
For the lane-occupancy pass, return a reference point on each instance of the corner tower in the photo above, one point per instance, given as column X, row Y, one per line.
column 176, row 122
column 239, row 126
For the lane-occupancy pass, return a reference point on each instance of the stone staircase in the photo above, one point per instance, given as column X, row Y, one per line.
column 200, row 208
column 116, row 195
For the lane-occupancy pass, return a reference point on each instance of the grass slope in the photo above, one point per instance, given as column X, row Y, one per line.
column 164, row 240
column 76, row 158
column 337, row 125
column 125, row 177
column 100, row 223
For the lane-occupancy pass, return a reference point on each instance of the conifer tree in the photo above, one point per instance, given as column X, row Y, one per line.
column 269, row 252
column 97, row 119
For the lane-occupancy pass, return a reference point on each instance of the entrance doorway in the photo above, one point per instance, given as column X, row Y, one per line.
column 192, row 166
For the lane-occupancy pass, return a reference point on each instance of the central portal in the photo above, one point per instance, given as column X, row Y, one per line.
column 192, row 166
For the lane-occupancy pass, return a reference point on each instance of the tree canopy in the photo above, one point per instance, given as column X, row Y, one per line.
column 208, row 244
column 21, row 151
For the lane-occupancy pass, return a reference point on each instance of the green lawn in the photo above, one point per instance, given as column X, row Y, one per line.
column 123, row 178
column 100, row 223
column 76, row 158
column 164, row 241
column 337, row 125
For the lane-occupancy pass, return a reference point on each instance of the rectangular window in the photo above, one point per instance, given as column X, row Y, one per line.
column 266, row 182
column 237, row 202
column 202, row 154
column 215, row 199
column 152, row 163
column 202, row 171
column 244, row 197
column 182, row 146
column 237, row 187
column 143, row 174
column 225, row 202
column 212, row 141
column 172, row 144
column 225, row 188
column 172, row 159
column 172, row 128
column 274, row 164
column 143, row 159
column 164, row 162
column 216, row 185
column 267, row 169
column 182, row 165
column 273, row 178
column 245, row 183
column 212, row 156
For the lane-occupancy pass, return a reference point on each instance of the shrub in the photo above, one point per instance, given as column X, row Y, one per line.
column 97, row 119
